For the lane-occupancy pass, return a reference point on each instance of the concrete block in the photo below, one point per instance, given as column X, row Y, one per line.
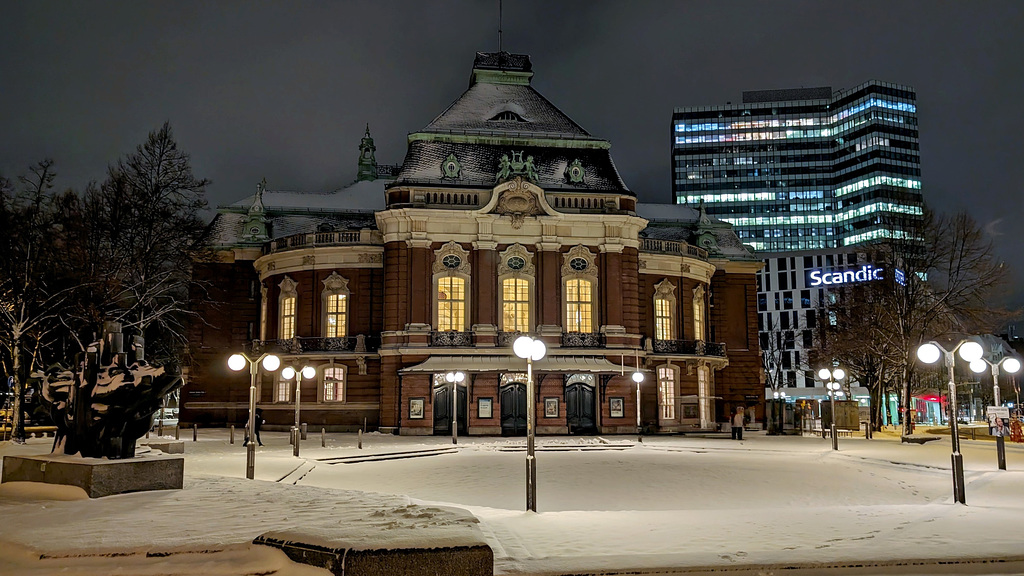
column 475, row 560
column 167, row 446
column 97, row 476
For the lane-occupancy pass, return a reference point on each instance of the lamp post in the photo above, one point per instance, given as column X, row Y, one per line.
column 530, row 349
column 1011, row 366
column 288, row 373
column 970, row 351
column 780, row 408
column 454, row 378
column 834, row 389
column 638, row 377
column 270, row 363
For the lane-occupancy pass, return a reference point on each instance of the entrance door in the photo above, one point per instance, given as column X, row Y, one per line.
column 580, row 407
column 443, row 410
column 513, row 410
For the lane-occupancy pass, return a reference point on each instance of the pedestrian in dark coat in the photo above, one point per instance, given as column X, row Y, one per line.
column 258, row 422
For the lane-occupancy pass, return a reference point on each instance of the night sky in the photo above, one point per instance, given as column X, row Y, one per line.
column 283, row 90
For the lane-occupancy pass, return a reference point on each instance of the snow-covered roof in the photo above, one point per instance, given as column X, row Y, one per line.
column 682, row 223
column 365, row 195
column 476, row 109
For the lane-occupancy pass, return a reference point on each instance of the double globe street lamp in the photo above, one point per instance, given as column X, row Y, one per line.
column 288, row 373
column 780, row 409
column 835, row 389
column 530, row 349
column 455, row 378
column 970, row 351
column 1010, row 366
column 270, row 363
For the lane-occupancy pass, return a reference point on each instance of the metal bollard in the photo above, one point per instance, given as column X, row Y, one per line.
column 147, row 434
column 360, row 439
column 291, row 435
column 231, row 435
column 304, row 426
column 195, row 432
column 364, row 424
column 177, row 432
column 323, row 438
column 295, row 442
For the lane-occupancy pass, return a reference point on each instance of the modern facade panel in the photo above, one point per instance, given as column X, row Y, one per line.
column 803, row 169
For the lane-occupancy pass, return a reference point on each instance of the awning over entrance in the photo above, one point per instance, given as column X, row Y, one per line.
column 438, row 364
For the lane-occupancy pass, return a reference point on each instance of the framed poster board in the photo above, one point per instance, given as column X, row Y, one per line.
column 551, row 407
column 416, row 408
column 617, row 404
column 484, row 408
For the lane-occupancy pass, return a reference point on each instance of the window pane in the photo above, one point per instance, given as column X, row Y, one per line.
column 515, row 306
column 451, row 303
column 663, row 324
column 667, row 393
column 334, row 379
column 288, row 318
column 579, row 307
column 337, row 308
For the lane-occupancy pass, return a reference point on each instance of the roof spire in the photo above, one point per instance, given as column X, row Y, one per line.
column 367, row 162
column 499, row 26
column 254, row 229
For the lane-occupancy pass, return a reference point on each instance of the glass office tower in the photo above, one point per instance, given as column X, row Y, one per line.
column 806, row 168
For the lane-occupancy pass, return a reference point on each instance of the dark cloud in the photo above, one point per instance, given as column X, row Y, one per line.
column 284, row 90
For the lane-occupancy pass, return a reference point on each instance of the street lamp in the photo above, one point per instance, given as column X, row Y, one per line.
column 288, row 373
column 454, row 378
column 780, row 407
column 270, row 363
column 834, row 389
column 530, row 349
column 929, row 353
column 1011, row 366
column 638, row 377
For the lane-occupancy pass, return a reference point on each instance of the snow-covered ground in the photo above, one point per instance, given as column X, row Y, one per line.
column 604, row 505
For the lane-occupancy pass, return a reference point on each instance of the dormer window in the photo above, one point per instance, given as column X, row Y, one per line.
column 507, row 116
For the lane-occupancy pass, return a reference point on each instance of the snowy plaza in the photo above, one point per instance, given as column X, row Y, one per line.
column 606, row 505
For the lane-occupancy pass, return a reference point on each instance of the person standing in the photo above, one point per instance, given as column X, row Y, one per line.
column 737, row 424
column 257, row 423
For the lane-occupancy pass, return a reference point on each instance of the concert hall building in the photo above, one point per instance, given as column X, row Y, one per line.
column 505, row 218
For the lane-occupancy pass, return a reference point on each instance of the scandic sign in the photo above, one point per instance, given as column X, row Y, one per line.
column 865, row 273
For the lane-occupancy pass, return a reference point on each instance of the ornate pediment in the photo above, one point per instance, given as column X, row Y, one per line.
column 288, row 285
column 518, row 200
column 451, row 258
column 665, row 289
column 335, row 283
column 579, row 262
column 516, row 260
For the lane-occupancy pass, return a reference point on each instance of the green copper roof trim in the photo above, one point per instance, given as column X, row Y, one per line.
column 500, row 140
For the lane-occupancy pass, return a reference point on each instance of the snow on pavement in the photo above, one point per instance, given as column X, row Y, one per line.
column 611, row 505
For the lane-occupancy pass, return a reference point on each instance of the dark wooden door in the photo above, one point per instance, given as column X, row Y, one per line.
column 443, row 410
column 513, row 410
column 580, row 408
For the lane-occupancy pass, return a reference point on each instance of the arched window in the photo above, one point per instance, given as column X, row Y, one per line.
column 283, row 390
column 451, row 276
column 666, row 393
column 287, row 309
column 579, row 276
column 451, row 303
column 664, row 311
column 333, row 386
column 516, row 278
column 579, row 306
column 698, row 313
column 335, row 296
column 515, row 305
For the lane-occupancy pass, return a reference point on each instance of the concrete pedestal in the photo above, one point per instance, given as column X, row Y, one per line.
column 98, row 477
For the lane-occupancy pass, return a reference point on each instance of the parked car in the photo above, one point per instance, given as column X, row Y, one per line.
column 168, row 416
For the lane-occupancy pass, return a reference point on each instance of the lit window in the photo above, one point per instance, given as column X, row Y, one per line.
column 667, row 393
column 698, row 313
column 337, row 311
column 451, row 303
column 334, row 384
column 663, row 324
column 515, row 304
column 579, row 306
column 284, row 391
column 288, row 317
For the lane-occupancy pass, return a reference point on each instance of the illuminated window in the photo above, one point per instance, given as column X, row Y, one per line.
column 451, row 303
column 515, row 305
column 333, row 389
column 286, row 309
column 666, row 393
column 283, row 392
column 335, row 298
column 579, row 306
column 698, row 313
column 664, row 311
